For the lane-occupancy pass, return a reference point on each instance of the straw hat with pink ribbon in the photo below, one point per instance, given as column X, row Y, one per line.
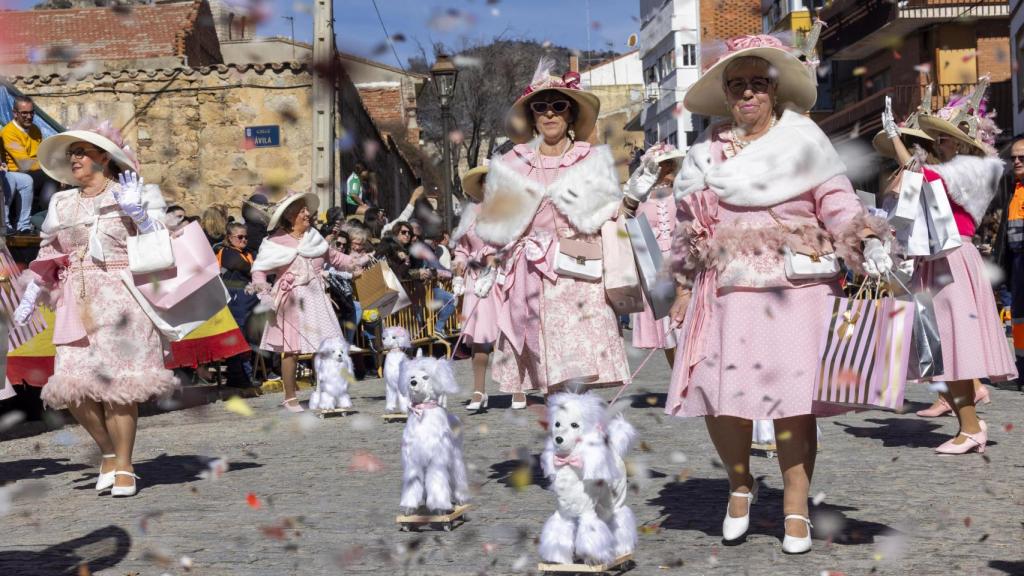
column 587, row 104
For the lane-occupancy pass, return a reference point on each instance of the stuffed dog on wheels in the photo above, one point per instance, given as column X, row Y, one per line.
column 433, row 471
column 583, row 458
column 396, row 341
column 333, row 372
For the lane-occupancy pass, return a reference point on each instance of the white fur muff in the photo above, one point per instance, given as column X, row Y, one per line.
column 583, row 458
column 433, row 471
column 333, row 373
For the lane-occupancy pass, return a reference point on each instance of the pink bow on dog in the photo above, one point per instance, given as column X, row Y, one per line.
column 575, row 461
column 418, row 409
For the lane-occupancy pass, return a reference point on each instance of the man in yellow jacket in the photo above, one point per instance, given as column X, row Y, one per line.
column 21, row 140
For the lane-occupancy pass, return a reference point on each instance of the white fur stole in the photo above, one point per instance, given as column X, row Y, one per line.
column 588, row 195
column 273, row 255
column 971, row 181
column 793, row 157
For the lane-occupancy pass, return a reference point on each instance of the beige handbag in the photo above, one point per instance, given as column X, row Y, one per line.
column 579, row 259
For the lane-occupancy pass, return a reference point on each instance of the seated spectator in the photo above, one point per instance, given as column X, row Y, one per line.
column 235, row 261
column 15, row 184
column 214, row 223
column 21, row 138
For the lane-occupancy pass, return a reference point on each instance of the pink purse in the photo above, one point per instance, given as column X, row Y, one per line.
column 621, row 281
column 195, row 265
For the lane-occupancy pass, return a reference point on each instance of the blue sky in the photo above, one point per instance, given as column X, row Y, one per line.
column 358, row 30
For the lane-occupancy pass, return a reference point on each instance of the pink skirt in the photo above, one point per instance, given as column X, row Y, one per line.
column 480, row 315
column 305, row 319
column 974, row 343
column 761, row 354
column 650, row 333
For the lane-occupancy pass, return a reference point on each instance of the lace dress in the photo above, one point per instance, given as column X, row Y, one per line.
column 107, row 348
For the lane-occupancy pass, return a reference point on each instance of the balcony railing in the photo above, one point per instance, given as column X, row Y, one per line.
column 905, row 100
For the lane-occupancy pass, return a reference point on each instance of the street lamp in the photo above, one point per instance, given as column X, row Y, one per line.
column 444, row 74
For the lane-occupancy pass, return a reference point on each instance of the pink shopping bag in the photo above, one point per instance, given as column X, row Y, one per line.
column 864, row 357
column 195, row 265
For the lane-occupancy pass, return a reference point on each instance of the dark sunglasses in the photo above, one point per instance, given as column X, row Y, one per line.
column 79, row 152
column 558, row 106
column 26, row 113
column 1016, row 158
column 737, row 87
column 241, row 237
column 404, row 231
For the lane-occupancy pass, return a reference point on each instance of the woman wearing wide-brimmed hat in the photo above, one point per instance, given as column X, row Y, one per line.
column 110, row 355
column 295, row 253
column 763, row 186
column 657, row 173
column 957, row 155
column 474, row 264
column 545, row 199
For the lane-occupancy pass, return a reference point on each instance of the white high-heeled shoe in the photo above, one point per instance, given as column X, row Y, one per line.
column 518, row 404
column 477, row 404
column 106, row 479
column 124, row 491
column 794, row 544
column 733, row 527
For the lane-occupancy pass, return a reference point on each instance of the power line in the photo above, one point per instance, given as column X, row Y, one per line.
column 387, row 36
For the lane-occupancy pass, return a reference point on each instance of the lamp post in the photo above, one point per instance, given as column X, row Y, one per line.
column 444, row 74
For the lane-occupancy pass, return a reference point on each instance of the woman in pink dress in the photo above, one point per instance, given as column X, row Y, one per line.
column 657, row 171
column 764, row 183
column 295, row 253
column 959, row 158
column 547, row 196
column 474, row 267
column 110, row 356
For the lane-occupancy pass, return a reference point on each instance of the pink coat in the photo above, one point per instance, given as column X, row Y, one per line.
column 480, row 315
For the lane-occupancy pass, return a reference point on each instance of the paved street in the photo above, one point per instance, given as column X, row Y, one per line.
column 304, row 496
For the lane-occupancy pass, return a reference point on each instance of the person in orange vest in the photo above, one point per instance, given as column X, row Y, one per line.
column 1015, row 246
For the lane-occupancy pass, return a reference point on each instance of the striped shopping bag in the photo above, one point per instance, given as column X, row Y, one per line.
column 865, row 352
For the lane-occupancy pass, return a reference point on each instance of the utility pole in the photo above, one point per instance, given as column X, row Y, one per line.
column 291, row 20
column 324, row 96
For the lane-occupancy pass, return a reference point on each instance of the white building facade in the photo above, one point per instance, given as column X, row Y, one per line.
column 670, row 55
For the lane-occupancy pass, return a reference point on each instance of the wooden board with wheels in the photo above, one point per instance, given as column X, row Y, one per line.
column 445, row 521
column 395, row 417
column 620, row 564
column 331, row 412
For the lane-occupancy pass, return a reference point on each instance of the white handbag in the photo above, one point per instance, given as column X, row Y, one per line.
column 578, row 259
column 150, row 252
column 813, row 266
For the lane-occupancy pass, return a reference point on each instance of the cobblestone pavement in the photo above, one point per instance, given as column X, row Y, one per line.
column 302, row 496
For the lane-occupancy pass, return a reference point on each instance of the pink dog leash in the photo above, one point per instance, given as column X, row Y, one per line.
column 637, row 371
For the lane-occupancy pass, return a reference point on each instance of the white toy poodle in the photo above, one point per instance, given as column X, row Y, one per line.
column 433, row 471
column 583, row 458
column 333, row 372
column 396, row 341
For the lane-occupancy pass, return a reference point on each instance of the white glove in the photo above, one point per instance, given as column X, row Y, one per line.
column 888, row 121
column 27, row 305
column 129, row 198
column 906, row 267
column 458, row 286
column 484, row 283
column 642, row 180
column 876, row 258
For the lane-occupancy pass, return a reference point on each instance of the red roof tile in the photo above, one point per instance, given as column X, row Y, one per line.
column 85, row 34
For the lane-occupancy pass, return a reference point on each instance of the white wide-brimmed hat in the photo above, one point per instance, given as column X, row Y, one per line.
column 53, row 150
column 883, row 145
column 276, row 209
column 664, row 153
column 796, row 84
column 587, row 103
column 473, row 183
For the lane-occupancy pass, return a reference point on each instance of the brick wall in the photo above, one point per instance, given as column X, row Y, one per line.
column 390, row 110
column 994, row 51
column 721, row 19
column 199, row 40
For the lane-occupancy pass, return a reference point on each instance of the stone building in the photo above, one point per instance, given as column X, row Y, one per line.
column 187, row 121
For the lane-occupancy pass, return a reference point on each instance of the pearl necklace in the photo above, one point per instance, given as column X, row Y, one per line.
column 737, row 143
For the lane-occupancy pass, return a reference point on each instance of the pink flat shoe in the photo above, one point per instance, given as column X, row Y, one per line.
column 981, row 396
column 938, row 409
column 973, row 442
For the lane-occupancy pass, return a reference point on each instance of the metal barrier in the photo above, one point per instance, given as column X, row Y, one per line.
column 418, row 320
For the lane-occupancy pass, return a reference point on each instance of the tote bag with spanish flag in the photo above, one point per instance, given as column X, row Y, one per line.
column 864, row 356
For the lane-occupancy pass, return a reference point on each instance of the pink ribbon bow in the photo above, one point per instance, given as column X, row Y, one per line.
column 519, row 321
column 419, row 409
column 574, row 460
